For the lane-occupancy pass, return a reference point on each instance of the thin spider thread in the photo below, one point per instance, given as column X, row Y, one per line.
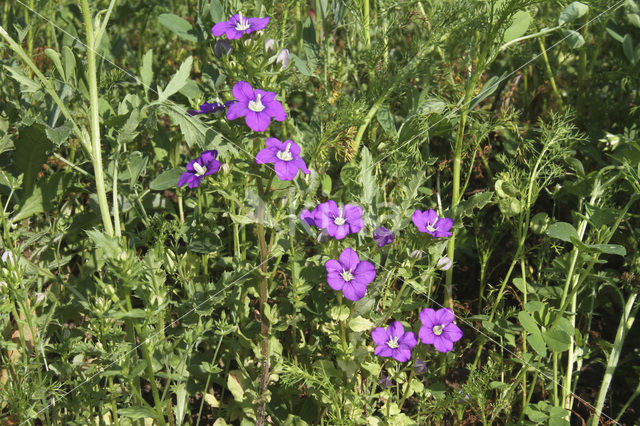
column 137, row 80
column 256, row 267
column 456, row 109
column 547, row 376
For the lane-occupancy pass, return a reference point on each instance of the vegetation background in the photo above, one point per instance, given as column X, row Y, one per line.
column 125, row 299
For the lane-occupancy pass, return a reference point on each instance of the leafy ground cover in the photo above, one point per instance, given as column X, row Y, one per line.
column 327, row 212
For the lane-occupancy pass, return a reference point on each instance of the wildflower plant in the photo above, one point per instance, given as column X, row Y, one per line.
column 323, row 223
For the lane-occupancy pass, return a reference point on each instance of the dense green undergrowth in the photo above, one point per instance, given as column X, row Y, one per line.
column 126, row 298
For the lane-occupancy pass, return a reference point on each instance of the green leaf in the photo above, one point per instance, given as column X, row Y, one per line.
column 627, row 47
column 489, row 87
column 216, row 10
column 303, row 66
column 55, row 58
column 386, row 121
column 60, row 134
column 573, row 38
column 178, row 80
column 136, row 413
column 537, row 343
column 609, row 249
column 179, row 26
column 69, row 61
column 146, row 70
column 634, row 18
column 573, row 11
column 563, row 231
column 557, row 340
column 133, row 313
column 521, row 22
column 28, row 85
column 235, row 385
column 109, row 245
column 31, row 148
column 360, row 324
column 167, row 179
column 367, row 179
column 476, row 201
column 528, row 323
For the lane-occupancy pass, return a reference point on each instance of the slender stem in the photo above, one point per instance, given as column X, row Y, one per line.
column 626, row 321
column 394, row 303
column 94, row 120
column 552, row 80
column 263, row 291
column 455, row 192
column 146, row 355
column 366, row 23
column 406, row 389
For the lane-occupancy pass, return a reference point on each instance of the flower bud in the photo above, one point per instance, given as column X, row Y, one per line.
column 221, row 46
column 416, row 254
column 283, row 58
column 270, row 44
column 444, row 264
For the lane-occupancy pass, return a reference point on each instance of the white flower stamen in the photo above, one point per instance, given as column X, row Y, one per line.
column 431, row 227
column 393, row 343
column 256, row 105
column 438, row 329
column 346, row 275
column 340, row 220
column 285, row 155
column 243, row 23
column 200, row 170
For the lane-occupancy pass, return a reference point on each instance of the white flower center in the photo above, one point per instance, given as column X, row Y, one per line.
column 438, row 329
column 256, row 105
column 393, row 343
column 200, row 170
column 242, row 24
column 346, row 275
column 431, row 227
column 284, row 155
column 339, row 220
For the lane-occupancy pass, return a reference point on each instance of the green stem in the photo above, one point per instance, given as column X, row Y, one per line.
column 455, row 192
column 394, row 303
column 406, row 389
column 626, row 321
column 366, row 23
column 94, row 120
column 547, row 65
column 146, row 355
column 264, row 326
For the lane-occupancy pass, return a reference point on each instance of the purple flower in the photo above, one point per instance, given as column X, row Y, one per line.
column 256, row 106
column 207, row 107
column 394, row 342
column 349, row 274
column 308, row 217
column 285, row 156
column 338, row 221
column 429, row 222
column 221, row 46
column 239, row 25
column 420, row 365
column 382, row 236
column 438, row 329
column 202, row 166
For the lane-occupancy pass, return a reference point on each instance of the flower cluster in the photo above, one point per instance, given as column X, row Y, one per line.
column 258, row 107
column 437, row 329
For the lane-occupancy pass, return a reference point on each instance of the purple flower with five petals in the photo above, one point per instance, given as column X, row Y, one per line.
column 285, row 156
column 350, row 274
column 429, row 222
column 438, row 329
column 239, row 25
column 256, row 106
column 382, row 236
column 338, row 221
column 202, row 166
column 394, row 342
